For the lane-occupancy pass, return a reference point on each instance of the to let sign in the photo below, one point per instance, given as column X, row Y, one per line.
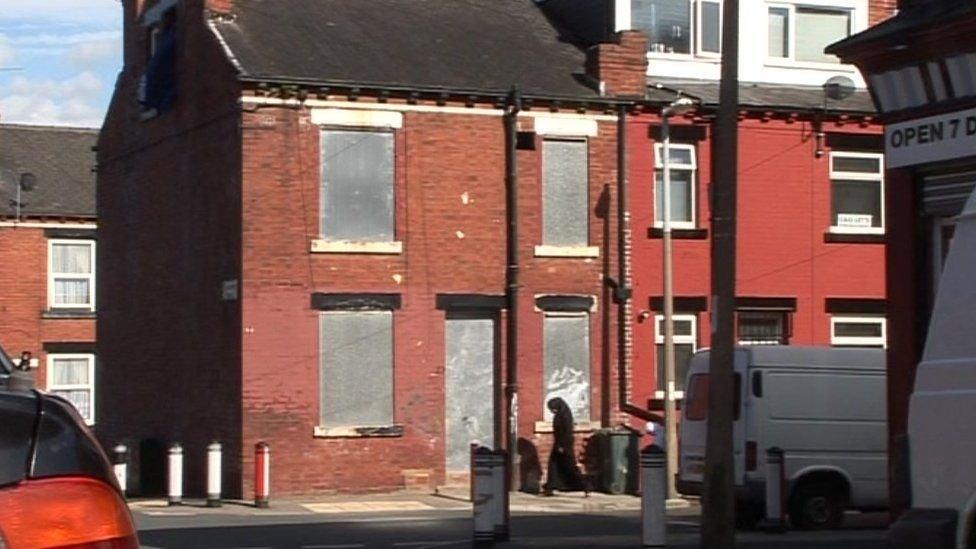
column 931, row 139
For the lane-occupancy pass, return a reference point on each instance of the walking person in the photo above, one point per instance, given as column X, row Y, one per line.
column 564, row 474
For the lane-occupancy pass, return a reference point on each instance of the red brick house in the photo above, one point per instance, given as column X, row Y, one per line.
column 47, row 249
column 811, row 219
column 348, row 240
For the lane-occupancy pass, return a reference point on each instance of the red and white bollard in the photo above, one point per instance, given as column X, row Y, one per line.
column 175, row 476
column 213, row 474
column 262, row 474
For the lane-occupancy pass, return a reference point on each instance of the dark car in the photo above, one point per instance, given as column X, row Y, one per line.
column 56, row 484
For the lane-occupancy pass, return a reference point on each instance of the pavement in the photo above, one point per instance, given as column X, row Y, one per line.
column 410, row 520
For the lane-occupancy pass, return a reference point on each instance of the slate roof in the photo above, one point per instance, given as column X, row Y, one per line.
column 61, row 160
column 761, row 95
column 459, row 45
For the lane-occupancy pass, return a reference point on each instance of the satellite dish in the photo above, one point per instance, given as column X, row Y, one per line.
column 27, row 181
column 838, row 87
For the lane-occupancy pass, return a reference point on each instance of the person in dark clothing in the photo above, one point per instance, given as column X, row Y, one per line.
column 564, row 474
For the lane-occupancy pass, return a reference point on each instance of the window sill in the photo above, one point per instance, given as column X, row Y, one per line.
column 813, row 65
column 854, row 238
column 320, row 246
column 679, row 234
column 382, row 431
column 715, row 59
column 68, row 313
column 580, row 427
column 567, row 251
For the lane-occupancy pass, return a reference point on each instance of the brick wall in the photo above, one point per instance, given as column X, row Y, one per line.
column 24, row 326
column 879, row 10
column 169, row 192
column 620, row 65
column 783, row 217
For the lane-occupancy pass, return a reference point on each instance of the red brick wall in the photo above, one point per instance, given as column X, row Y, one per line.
column 169, row 193
column 620, row 65
column 449, row 247
column 783, row 215
column 23, row 285
column 879, row 10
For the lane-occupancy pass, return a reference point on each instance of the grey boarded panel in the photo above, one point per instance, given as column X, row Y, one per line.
column 357, row 185
column 564, row 196
column 469, row 390
column 356, row 376
column 567, row 363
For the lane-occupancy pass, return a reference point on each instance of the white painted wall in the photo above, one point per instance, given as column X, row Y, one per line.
column 754, row 63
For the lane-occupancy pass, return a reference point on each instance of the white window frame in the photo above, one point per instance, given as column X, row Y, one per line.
column 691, row 339
column 90, row 386
column 845, row 341
column 693, row 168
column 695, row 17
column 791, row 37
column 697, row 31
column 857, row 176
column 51, row 275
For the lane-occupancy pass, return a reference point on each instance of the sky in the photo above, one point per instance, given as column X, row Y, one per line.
column 65, row 56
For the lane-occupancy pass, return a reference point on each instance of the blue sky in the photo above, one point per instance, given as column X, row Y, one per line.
column 69, row 53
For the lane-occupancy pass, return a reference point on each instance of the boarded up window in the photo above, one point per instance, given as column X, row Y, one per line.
column 356, row 373
column 357, row 186
column 567, row 362
column 564, row 193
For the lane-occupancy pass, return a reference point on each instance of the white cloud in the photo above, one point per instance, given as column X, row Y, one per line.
column 8, row 54
column 72, row 101
column 81, row 11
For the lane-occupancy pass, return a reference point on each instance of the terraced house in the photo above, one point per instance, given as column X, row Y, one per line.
column 47, row 249
column 367, row 240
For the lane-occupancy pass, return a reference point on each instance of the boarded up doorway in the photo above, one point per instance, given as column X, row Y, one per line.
column 470, row 387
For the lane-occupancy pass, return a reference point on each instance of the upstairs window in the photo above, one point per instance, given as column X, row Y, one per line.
column 157, row 89
column 682, row 167
column 71, row 274
column 565, row 193
column 680, row 26
column 857, row 193
column 357, row 184
column 800, row 33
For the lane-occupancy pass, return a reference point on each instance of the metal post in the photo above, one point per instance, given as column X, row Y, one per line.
column 775, row 520
column 718, row 501
column 670, row 409
column 262, row 475
column 120, row 464
column 512, row 110
column 653, row 491
column 213, row 474
column 175, row 474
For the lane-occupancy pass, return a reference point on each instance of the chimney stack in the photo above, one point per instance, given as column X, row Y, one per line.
column 620, row 66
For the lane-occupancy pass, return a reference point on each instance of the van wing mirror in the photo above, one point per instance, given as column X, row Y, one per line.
column 757, row 389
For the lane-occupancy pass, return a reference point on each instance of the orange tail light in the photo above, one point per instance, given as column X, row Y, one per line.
column 68, row 512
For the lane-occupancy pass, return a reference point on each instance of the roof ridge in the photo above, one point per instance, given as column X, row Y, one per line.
column 81, row 129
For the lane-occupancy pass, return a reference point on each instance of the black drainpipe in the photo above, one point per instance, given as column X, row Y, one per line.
column 512, row 280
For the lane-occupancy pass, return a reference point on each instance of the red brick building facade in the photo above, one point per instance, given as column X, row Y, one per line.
column 369, row 343
column 47, row 247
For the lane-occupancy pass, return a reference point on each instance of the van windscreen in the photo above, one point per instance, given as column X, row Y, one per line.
column 696, row 399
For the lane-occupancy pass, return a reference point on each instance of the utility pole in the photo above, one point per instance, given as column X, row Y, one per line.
column 718, row 520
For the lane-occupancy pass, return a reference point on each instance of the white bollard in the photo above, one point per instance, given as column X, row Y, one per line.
column 775, row 520
column 500, row 494
column 175, row 474
column 120, row 464
column 654, row 493
column 213, row 474
column 483, row 500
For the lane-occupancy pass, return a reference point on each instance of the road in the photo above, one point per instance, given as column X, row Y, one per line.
column 453, row 529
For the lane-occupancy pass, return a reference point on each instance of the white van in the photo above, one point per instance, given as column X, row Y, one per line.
column 942, row 448
column 823, row 406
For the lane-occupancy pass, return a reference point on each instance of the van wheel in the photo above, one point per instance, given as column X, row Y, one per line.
column 817, row 506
